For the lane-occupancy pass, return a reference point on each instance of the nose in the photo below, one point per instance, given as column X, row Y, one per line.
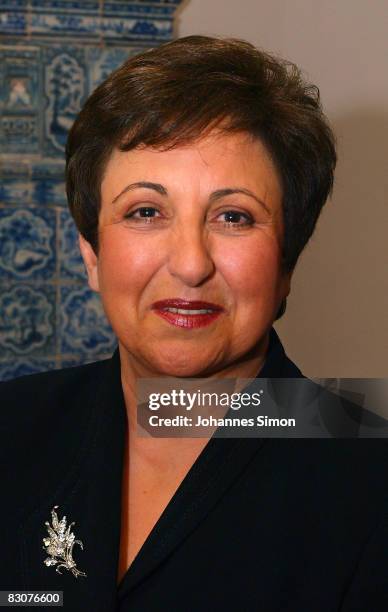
column 189, row 256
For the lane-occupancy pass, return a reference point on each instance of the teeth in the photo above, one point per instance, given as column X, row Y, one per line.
column 187, row 312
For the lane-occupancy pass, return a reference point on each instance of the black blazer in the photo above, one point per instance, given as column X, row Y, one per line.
column 257, row 525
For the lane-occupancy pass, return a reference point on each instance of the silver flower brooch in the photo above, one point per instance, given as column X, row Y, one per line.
column 59, row 545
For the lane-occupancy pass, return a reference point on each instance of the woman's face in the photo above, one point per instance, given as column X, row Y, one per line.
column 197, row 223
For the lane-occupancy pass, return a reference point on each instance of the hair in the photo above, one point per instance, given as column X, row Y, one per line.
column 174, row 94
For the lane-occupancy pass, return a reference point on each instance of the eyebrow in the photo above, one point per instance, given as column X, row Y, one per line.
column 221, row 193
column 216, row 195
column 142, row 185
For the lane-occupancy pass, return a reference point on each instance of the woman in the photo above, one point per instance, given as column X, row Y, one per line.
column 195, row 174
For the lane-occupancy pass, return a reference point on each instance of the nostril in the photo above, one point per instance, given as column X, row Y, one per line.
column 192, row 263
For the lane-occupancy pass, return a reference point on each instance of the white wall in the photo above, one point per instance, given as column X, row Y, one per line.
column 337, row 318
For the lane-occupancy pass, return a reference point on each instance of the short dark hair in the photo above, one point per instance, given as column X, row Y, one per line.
column 175, row 93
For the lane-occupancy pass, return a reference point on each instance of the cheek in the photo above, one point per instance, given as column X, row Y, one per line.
column 125, row 262
column 252, row 268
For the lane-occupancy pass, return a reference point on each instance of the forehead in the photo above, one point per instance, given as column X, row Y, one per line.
column 213, row 161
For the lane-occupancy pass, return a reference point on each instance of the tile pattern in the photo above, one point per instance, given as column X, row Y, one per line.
column 127, row 22
column 27, row 320
column 27, row 243
column 53, row 53
column 24, row 366
column 82, row 325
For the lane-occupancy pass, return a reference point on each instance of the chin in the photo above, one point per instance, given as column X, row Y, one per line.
column 183, row 370
column 184, row 366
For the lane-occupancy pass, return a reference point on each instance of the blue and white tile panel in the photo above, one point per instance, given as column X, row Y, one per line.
column 44, row 89
column 109, row 21
column 46, row 307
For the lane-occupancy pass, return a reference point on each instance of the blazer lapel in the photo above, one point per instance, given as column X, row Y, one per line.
column 219, row 465
column 89, row 493
column 214, row 472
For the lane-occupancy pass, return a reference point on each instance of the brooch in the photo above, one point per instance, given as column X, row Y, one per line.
column 60, row 545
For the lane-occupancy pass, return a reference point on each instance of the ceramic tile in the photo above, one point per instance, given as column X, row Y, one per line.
column 13, row 5
column 20, row 92
column 22, row 367
column 27, row 244
column 27, row 320
column 12, row 22
column 65, row 24
column 84, row 329
column 19, row 134
column 65, row 90
column 46, row 191
column 15, row 191
column 72, row 6
column 72, row 362
column 71, row 263
column 102, row 61
column 130, row 9
column 15, row 186
column 21, row 82
column 142, row 29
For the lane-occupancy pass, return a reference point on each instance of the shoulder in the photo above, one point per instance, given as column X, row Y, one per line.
column 46, row 421
column 345, row 480
column 52, row 377
column 33, row 407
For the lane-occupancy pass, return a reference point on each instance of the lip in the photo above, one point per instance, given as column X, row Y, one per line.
column 186, row 305
column 187, row 321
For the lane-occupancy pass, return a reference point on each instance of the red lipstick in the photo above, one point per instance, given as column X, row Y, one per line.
column 188, row 314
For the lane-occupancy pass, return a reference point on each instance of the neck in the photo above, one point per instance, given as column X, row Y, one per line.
column 245, row 367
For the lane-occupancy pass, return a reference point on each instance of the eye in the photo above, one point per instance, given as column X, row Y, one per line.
column 144, row 213
column 235, row 218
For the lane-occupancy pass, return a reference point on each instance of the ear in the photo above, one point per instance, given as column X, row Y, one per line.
column 286, row 284
column 90, row 261
column 284, row 290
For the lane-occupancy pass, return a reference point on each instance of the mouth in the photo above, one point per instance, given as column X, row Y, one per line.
column 187, row 314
